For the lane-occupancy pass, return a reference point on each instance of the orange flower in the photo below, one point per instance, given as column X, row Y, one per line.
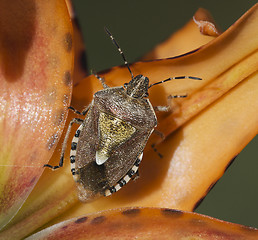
column 203, row 132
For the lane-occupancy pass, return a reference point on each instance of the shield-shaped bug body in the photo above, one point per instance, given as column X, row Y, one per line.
column 108, row 145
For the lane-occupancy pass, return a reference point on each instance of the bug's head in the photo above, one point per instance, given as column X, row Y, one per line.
column 137, row 87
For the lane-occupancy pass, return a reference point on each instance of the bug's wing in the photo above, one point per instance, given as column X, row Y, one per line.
column 94, row 179
column 132, row 173
column 115, row 133
column 124, row 157
column 87, row 174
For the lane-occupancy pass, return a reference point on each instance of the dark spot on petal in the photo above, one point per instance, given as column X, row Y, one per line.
column 64, row 227
column 198, row 202
column 17, row 33
column 52, row 141
column 198, row 222
column 83, row 61
column 81, row 220
column 218, row 234
column 98, row 220
column 171, row 212
column 67, row 78
column 33, row 157
column 33, row 180
column 68, row 42
column 132, row 212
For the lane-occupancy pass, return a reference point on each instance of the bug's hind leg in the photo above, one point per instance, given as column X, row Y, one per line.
column 64, row 145
column 131, row 174
column 153, row 146
column 156, row 150
column 136, row 176
column 73, row 152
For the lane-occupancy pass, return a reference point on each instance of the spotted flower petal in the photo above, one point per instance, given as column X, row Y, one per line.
column 36, row 64
column 146, row 223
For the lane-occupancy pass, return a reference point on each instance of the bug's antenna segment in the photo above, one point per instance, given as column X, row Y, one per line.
column 119, row 49
column 180, row 77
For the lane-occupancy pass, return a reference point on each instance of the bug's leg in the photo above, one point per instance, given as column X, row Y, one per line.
column 84, row 111
column 136, row 176
column 156, row 151
column 162, row 108
column 124, row 180
column 168, row 108
column 101, row 79
column 75, row 120
column 177, row 96
column 159, row 133
column 73, row 152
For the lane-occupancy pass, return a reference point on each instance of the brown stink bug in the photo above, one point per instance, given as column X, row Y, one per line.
column 107, row 148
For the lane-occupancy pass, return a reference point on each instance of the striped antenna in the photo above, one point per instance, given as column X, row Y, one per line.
column 180, row 77
column 119, row 49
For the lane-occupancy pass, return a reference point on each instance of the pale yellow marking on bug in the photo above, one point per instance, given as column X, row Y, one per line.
column 112, row 132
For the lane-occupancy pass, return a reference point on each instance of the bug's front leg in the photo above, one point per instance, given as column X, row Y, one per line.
column 168, row 108
column 83, row 112
column 64, row 145
column 101, row 79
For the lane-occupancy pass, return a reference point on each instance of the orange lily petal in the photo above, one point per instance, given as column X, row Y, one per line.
column 35, row 76
column 146, row 223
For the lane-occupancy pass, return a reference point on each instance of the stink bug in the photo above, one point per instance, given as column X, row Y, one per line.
column 107, row 148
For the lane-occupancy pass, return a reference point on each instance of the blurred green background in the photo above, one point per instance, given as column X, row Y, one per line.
column 139, row 25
